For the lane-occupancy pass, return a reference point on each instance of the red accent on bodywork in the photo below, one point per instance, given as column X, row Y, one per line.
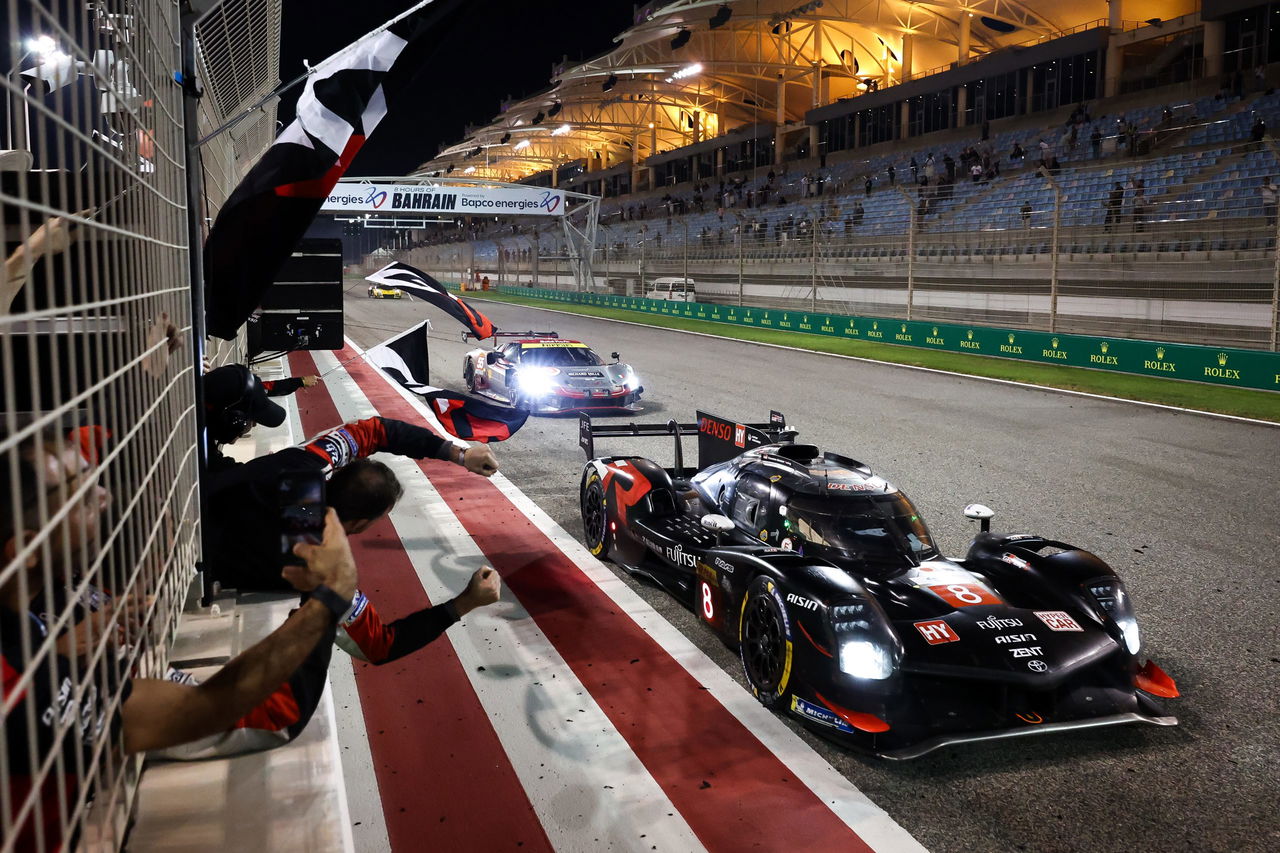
column 862, row 722
column 812, row 640
column 1155, row 680
column 630, row 496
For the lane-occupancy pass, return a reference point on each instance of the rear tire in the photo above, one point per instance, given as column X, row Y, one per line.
column 595, row 517
column 764, row 642
column 469, row 375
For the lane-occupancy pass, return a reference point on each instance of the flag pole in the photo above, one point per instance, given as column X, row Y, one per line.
column 311, row 69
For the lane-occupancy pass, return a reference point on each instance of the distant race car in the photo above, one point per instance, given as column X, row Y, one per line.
column 377, row 291
column 544, row 373
column 845, row 613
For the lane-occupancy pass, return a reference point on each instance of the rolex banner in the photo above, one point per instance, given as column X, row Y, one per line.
column 404, row 359
column 345, row 98
column 419, row 285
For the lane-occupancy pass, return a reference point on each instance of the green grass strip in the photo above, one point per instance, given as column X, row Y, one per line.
column 1263, row 405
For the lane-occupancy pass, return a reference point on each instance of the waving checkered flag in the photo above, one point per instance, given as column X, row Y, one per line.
column 345, row 98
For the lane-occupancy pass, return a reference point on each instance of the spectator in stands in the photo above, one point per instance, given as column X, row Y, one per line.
column 1139, row 205
column 930, row 169
column 1026, row 216
column 975, row 171
column 1259, row 129
column 950, row 165
column 915, row 170
column 153, row 713
column 867, row 184
column 1095, row 140
column 892, row 172
column 1115, row 199
column 1017, row 153
column 858, row 213
column 1046, row 151
column 1268, row 193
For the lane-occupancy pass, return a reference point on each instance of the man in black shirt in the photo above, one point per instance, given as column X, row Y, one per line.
column 57, row 706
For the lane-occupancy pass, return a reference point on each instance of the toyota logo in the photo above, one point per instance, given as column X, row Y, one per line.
column 1037, row 665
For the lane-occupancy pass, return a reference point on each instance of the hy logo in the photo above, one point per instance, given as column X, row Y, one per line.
column 1105, row 346
column 1160, row 352
column 969, row 334
column 1054, row 343
column 1222, row 359
column 1011, row 337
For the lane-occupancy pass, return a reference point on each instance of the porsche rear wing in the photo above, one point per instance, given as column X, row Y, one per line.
column 468, row 335
column 719, row 440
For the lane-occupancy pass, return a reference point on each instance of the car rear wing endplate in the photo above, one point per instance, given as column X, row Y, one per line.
column 719, row 439
column 468, row 335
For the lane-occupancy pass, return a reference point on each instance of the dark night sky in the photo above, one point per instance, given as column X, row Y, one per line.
column 496, row 48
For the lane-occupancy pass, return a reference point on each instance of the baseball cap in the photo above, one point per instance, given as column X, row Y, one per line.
column 234, row 386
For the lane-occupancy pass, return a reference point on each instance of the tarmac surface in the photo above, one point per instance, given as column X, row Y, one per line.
column 1183, row 506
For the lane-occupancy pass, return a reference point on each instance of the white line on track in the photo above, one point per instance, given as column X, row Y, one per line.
column 909, row 366
column 589, row 789
column 359, row 778
column 864, row 817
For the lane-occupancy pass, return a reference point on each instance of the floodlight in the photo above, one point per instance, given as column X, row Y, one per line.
column 681, row 39
column 721, row 17
column 561, row 130
column 555, row 108
column 610, row 82
column 537, row 119
column 521, row 145
column 468, row 170
column 506, row 137
column 41, row 45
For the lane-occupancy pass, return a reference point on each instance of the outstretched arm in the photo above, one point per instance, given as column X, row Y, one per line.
column 362, row 438
column 161, row 713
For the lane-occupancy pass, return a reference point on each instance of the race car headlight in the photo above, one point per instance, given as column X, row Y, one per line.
column 537, row 381
column 1113, row 601
column 868, row 646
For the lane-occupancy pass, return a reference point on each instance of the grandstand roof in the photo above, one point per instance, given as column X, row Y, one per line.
column 674, row 79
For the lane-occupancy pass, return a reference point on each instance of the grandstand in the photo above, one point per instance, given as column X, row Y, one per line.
column 706, row 165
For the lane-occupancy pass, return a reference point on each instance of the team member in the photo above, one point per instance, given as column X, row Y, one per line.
column 153, row 713
column 285, row 387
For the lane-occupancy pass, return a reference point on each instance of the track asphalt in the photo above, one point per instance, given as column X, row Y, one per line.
column 1183, row 506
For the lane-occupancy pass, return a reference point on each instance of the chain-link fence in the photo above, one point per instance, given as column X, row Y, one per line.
column 98, row 498
column 1179, row 246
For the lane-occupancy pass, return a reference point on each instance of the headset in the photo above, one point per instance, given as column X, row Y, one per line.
column 230, row 422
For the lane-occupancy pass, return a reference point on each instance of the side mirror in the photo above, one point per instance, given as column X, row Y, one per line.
column 491, row 357
column 980, row 513
column 716, row 523
column 614, row 356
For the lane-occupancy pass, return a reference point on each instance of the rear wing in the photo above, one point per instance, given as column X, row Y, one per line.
column 719, row 439
column 467, row 335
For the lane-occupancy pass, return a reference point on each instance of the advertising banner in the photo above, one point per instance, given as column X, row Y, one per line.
column 1241, row 368
column 419, row 198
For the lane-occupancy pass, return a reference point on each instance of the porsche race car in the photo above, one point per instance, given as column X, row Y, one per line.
column 544, row 373
column 845, row 613
column 378, row 291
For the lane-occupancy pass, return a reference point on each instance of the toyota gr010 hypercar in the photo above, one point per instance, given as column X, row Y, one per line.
column 845, row 613
column 378, row 291
column 542, row 372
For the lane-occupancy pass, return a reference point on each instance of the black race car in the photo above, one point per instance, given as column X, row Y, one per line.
column 845, row 613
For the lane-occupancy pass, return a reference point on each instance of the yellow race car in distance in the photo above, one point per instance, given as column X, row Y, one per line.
column 377, row 291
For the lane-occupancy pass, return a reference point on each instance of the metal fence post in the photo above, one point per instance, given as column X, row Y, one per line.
column 741, row 252
column 813, row 273
column 640, row 282
column 1053, row 273
column 1275, row 289
column 686, row 250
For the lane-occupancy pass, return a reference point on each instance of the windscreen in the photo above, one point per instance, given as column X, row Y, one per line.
column 879, row 529
column 559, row 356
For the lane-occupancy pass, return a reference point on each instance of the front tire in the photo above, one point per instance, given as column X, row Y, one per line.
column 469, row 375
column 595, row 517
column 764, row 642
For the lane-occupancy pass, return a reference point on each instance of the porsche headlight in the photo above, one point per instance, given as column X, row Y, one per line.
column 868, row 647
column 537, row 381
column 1113, row 601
